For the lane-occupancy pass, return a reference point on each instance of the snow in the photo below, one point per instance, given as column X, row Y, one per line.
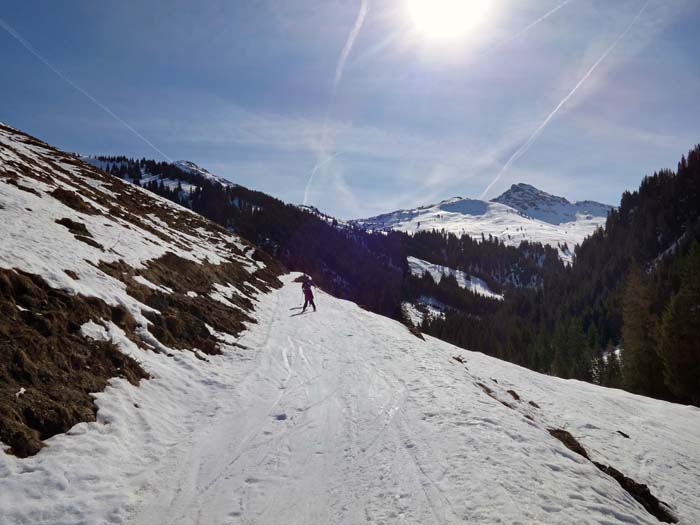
column 343, row 416
column 338, row 416
column 478, row 286
column 553, row 227
column 142, row 280
column 543, row 206
column 172, row 184
column 223, row 294
column 412, row 313
column 191, row 167
column 34, row 242
column 426, row 307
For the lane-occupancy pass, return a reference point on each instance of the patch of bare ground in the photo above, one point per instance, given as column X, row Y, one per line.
column 80, row 232
column 74, row 201
column 47, row 368
column 415, row 331
column 638, row 491
column 13, row 182
column 183, row 318
column 489, row 392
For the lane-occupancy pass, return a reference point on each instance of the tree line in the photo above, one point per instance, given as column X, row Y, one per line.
column 624, row 314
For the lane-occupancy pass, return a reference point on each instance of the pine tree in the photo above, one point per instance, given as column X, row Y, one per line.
column 680, row 340
column 641, row 364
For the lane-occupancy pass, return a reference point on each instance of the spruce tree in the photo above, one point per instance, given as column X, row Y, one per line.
column 641, row 364
column 680, row 339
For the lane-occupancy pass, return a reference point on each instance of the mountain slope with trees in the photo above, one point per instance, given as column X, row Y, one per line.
column 625, row 313
column 620, row 315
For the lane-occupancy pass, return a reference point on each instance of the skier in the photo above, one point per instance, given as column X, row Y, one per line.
column 306, row 285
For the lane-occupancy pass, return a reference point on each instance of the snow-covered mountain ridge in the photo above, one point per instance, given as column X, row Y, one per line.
column 523, row 213
column 191, row 167
column 186, row 176
column 543, row 206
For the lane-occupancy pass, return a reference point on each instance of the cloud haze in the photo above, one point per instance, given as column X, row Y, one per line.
column 566, row 95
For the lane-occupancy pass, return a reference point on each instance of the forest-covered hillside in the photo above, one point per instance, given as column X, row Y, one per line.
column 623, row 314
column 626, row 313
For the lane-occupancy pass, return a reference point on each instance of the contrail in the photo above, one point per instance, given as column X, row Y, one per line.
column 75, row 86
column 533, row 138
column 359, row 21
column 529, row 26
column 322, row 156
column 376, row 49
column 321, row 159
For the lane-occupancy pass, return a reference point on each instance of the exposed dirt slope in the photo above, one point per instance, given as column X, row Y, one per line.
column 81, row 247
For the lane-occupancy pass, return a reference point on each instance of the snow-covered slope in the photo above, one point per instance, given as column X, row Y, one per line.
column 83, row 248
column 186, row 168
column 518, row 215
column 191, row 167
column 343, row 416
column 418, row 267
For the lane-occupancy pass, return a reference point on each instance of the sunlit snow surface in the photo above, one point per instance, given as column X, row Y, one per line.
column 343, row 416
column 35, row 243
column 476, row 218
column 418, row 267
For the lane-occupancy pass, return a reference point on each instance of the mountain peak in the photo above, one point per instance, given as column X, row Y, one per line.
column 522, row 186
column 522, row 193
column 546, row 207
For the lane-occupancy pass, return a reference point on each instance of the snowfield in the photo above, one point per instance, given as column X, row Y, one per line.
column 339, row 416
column 475, row 285
column 343, row 416
column 521, row 214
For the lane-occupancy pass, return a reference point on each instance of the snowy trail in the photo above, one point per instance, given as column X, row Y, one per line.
column 343, row 416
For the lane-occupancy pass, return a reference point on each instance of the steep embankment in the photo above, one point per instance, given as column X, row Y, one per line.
column 343, row 416
column 83, row 250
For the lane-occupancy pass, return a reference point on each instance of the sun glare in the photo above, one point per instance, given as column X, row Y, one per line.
column 447, row 19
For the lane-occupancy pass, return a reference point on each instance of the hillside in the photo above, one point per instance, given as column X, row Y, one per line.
column 631, row 293
column 348, row 262
column 343, row 416
column 523, row 213
column 84, row 252
column 153, row 365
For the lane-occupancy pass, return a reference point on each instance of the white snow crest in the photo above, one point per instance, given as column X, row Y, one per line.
column 558, row 226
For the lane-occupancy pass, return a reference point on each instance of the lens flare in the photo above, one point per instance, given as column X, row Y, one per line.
column 447, row 19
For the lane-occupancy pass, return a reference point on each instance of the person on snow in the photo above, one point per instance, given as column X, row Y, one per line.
column 306, row 285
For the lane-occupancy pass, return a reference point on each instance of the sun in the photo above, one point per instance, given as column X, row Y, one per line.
column 447, row 19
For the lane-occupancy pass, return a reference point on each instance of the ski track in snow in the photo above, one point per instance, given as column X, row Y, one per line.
column 343, row 416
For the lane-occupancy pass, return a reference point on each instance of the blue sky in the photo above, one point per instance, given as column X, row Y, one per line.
column 275, row 95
